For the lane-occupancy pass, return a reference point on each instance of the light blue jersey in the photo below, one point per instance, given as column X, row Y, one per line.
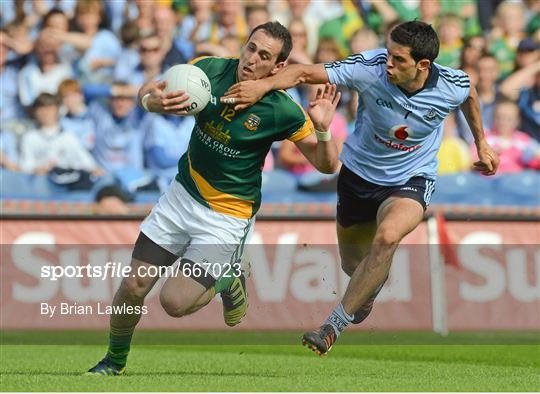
column 397, row 134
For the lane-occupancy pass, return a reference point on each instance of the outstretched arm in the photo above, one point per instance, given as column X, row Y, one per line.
column 487, row 159
column 246, row 93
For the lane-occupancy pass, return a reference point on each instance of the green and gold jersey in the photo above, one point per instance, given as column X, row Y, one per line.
column 223, row 164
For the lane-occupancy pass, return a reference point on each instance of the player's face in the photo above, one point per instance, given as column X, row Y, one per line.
column 258, row 58
column 401, row 68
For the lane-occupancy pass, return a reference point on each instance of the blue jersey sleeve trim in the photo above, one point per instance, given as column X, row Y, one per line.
column 375, row 61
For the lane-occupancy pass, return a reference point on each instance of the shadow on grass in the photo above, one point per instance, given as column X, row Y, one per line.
column 144, row 374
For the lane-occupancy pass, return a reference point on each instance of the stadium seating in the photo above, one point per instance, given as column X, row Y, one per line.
column 522, row 189
column 464, row 188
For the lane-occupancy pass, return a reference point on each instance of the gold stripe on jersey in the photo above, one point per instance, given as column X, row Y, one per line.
column 306, row 129
column 219, row 201
column 196, row 59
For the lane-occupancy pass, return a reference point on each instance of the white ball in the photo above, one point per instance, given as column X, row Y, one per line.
column 193, row 81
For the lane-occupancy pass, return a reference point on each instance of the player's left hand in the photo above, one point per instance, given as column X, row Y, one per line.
column 171, row 103
column 488, row 161
column 322, row 109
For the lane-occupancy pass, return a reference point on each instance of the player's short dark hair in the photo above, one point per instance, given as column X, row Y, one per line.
column 279, row 32
column 418, row 36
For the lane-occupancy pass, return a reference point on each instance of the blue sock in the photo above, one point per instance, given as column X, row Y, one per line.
column 339, row 319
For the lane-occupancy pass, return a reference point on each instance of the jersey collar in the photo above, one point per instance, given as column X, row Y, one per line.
column 431, row 82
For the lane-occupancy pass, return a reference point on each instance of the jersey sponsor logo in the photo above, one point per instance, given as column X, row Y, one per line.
column 217, row 132
column 216, row 145
column 430, row 115
column 383, row 103
column 397, row 146
column 400, row 132
column 252, row 122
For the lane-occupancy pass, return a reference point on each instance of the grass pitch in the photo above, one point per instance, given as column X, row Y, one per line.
column 233, row 361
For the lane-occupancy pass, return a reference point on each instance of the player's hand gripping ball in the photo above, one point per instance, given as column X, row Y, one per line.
column 193, row 81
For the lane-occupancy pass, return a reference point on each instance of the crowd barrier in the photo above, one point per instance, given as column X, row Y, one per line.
column 492, row 283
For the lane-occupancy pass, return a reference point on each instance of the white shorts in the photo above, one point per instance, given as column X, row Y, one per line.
column 186, row 228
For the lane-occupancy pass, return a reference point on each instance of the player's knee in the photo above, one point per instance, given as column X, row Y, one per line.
column 173, row 307
column 134, row 287
column 387, row 237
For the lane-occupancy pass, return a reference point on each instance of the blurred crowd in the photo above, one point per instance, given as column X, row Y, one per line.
column 70, row 71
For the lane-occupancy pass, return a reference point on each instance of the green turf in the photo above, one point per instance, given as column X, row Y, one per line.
column 349, row 367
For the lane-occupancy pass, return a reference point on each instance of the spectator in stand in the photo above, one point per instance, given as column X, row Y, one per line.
column 119, row 135
column 487, row 88
column 342, row 28
column 75, row 116
column 505, row 36
column 229, row 18
column 488, row 94
column 19, row 40
column 150, row 66
column 528, row 52
column 299, row 52
column 56, row 24
column 517, row 151
column 303, row 10
column 100, row 46
column 523, row 86
column 429, row 12
column 10, row 109
column 454, row 155
column 44, row 72
column 473, row 48
column 31, row 13
column 231, row 44
column 197, row 23
column 129, row 56
column 450, row 34
column 145, row 16
column 467, row 11
column 166, row 140
column 256, row 15
column 532, row 17
column 328, row 51
column 8, row 150
column 118, row 13
column 363, row 40
column 111, row 200
column 486, row 13
column 49, row 146
column 165, row 21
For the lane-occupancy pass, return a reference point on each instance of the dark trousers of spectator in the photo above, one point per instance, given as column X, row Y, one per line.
column 486, row 10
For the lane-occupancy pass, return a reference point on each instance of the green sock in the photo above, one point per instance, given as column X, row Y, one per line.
column 223, row 283
column 119, row 346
